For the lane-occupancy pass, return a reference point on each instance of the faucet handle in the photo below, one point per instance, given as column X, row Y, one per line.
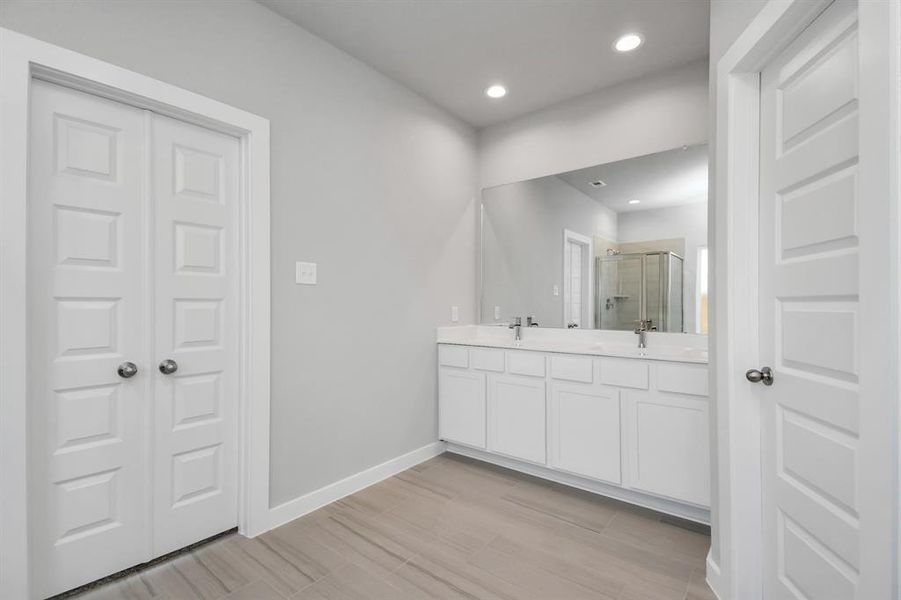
column 517, row 320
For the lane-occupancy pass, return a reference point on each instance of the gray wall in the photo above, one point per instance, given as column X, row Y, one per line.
column 522, row 237
column 368, row 179
column 642, row 116
column 728, row 19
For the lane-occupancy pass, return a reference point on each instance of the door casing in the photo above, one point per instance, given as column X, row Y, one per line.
column 23, row 59
column 734, row 565
column 587, row 278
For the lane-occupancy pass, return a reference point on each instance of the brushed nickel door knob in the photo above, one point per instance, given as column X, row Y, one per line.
column 764, row 375
column 127, row 370
column 168, row 367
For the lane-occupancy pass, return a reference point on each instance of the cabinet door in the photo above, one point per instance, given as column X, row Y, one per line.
column 461, row 406
column 585, row 431
column 517, row 417
column 669, row 446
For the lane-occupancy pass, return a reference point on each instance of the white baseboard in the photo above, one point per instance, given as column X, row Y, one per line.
column 670, row 507
column 714, row 577
column 294, row 509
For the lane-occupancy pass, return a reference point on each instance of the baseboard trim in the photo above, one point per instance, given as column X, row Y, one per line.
column 714, row 577
column 676, row 509
column 294, row 509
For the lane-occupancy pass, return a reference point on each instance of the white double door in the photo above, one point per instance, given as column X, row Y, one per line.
column 132, row 261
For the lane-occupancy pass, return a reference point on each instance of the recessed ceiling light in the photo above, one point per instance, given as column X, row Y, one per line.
column 634, row 201
column 496, row 91
column 628, row 42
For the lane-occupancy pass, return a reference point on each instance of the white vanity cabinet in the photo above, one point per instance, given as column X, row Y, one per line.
column 632, row 428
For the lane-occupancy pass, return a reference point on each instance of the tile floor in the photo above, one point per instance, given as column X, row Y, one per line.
column 450, row 528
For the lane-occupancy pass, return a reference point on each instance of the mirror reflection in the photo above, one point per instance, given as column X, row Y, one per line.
column 615, row 246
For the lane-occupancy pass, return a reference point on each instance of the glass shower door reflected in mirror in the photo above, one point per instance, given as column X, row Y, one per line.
column 619, row 291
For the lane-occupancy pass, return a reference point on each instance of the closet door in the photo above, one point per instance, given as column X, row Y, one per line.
column 195, row 194
column 87, row 488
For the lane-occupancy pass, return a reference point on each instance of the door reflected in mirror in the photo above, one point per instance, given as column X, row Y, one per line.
column 604, row 247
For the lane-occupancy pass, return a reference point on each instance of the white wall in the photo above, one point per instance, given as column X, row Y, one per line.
column 639, row 117
column 522, row 237
column 688, row 221
column 368, row 179
column 728, row 19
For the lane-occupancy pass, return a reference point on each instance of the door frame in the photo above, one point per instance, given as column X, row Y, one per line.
column 734, row 564
column 23, row 59
column 588, row 295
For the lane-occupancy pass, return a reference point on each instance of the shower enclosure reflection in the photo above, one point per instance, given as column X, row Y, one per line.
column 639, row 286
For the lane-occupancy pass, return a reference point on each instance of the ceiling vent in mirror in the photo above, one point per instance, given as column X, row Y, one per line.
column 597, row 183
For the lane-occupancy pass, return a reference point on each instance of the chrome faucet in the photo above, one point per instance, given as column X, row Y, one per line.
column 516, row 326
column 642, row 328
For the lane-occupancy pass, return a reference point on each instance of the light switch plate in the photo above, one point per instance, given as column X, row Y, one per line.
column 305, row 273
column 497, row 313
column 455, row 314
column 556, row 290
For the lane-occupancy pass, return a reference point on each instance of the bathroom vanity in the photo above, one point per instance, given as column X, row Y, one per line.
column 584, row 408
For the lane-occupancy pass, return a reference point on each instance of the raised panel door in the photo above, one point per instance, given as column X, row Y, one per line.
column 809, row 302
column 195, row 199
column 87, row 497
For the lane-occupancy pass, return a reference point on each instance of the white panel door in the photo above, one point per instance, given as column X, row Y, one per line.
column 809, row 312
column 195, row 196
column 517, row 417
column 132, row 259
column 461, row 407
column 87, row 497
column 574, row 283
column 584, row 431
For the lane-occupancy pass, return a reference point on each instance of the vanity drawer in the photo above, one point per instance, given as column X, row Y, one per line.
column 572, row 368
column 526, row 363
column 625, row 372
column 488, row 360
column 682, row 379
column 453, row 356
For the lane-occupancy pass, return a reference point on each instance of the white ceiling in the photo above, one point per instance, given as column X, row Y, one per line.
column 669, row 178
column 543, row 51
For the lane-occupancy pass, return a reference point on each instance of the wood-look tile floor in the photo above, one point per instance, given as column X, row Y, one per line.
column 449, row 528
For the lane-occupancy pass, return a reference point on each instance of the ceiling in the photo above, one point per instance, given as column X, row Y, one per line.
column 669, row 178
column 543, row 51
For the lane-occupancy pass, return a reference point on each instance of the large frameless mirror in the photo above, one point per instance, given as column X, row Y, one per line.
column 604, row 247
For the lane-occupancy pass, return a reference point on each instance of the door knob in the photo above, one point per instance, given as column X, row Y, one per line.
column 764, row 375
column 168, row 367
column 127, row 369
